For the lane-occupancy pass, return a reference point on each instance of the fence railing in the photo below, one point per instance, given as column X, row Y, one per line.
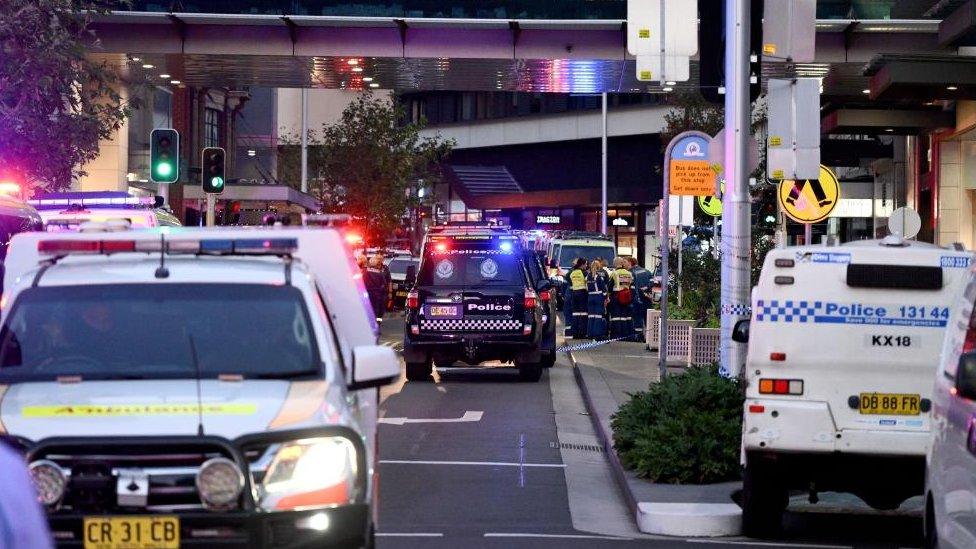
column 686, row 344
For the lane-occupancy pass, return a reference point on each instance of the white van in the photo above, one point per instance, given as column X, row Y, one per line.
column 590, row 246
column 204, row 387
column 950, row 480
column 842, row 350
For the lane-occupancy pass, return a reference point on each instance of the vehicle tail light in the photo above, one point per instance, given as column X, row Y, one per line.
column 413, row 300
column 531, row 299
column 545, row 296
column 777, row 357
column 970, row 342
column 769, row 386
column 756, row 408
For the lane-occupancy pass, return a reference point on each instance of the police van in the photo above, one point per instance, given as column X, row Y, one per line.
column 64, row 212
column 841, row 355
column 194, row 387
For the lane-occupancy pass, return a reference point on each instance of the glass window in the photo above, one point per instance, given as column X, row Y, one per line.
column 211, row 128
column 137, row 331
column 399, row 266
column 466, row 266
column 569, row 252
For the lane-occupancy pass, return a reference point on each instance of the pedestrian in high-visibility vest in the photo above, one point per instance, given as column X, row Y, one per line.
column 577, row 284
column 596, row 302
column 621, row 301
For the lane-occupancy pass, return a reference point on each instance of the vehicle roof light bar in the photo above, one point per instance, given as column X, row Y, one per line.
column 51, row 203
column 240, row 246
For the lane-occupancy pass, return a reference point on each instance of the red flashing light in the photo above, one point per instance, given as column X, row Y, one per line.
column 354, row 238
column 68, row 246
column 117, row 246
column 531, row 299
column 441, row 247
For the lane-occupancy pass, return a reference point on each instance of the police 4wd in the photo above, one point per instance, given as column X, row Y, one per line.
column 839, row 372
column 474, row 301
column 193, row 388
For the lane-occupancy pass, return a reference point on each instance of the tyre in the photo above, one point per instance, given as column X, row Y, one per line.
column 418, row 371
column 549, row 360
column 764, row 499
column 931, row 538
column 529, row 371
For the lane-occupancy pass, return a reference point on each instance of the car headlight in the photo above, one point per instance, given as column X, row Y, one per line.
column 50, row 482
column 318, row 472
column 219, row 483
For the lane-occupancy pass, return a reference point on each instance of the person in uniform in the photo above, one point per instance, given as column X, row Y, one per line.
column 621, row 301
column 596, row 302
column 377, row 287
column 643, row 282
column 577, row 285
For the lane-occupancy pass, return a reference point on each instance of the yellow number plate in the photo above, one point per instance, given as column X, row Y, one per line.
column 889, row 404
column 149, row 532
column 401, row 294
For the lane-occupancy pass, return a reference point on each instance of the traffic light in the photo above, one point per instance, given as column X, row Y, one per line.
column 164, row 155
column 213, row 170
column 767, row 215
column 711, row 50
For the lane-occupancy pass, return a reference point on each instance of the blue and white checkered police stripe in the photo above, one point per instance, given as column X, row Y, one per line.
column 736, row 310
column 788, row 310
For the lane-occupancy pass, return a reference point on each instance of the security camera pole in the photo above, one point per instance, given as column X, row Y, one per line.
column 736, row 237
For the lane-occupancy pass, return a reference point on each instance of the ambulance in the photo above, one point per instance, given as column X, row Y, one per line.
column 843, row 344
column 186, row 387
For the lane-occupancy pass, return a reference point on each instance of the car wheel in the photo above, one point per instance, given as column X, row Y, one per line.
column 764, row 500
column 418, row 371
column 931, row 538
column 530, row 371
column 549, row 360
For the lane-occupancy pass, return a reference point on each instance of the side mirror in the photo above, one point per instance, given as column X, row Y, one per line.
column 740, row 332
column 373, row 366
column 966, row 376
column 411, row 276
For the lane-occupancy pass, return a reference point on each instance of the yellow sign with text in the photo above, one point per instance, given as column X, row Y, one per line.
column 812, row 200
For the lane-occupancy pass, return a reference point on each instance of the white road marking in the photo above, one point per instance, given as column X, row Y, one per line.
column 409, row 534
column 468, row 417
column 481, row 463
column 551, row 536
column 769, row 544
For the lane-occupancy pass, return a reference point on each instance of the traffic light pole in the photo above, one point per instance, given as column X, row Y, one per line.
column 736, row 237
column 211, row 209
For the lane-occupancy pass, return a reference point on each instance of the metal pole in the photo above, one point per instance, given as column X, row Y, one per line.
column 807, row 234
column 603, row 172
column 163, row 190
column 304, row 140
column 736, row 237
column 211, row 209
column 662, row 346
column 681, row 251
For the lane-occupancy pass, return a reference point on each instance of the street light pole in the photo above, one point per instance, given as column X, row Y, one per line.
column 603, row 172
column 304, row 140
column 736, row 237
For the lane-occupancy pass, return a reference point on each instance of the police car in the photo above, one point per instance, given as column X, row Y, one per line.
column 194, row 387
column 950, row 481
column 68, row 211
column 473, row 301
column 839, row 372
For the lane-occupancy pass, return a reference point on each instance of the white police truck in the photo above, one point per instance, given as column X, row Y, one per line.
column 842, row 351
column 194, row 387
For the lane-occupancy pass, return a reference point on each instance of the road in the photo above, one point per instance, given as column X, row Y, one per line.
column 473, row 459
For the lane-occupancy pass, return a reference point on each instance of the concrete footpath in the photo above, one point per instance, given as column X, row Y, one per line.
column 607, row 375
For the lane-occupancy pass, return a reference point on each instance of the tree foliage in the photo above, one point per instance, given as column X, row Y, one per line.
column 690, row 111
column 56, row 101
column 368, row 163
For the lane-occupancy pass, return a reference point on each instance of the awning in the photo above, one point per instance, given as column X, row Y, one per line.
column 257, row 193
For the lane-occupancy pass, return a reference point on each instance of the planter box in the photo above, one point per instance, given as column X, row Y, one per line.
column 686, row 344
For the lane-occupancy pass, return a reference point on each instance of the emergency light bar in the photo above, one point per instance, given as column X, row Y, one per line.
column 239, row 246
column 50, row 203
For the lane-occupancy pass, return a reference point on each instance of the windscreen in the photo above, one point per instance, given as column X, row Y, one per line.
column 399, row 266
column 570, row 253
column 141, row 331
column 468, row 266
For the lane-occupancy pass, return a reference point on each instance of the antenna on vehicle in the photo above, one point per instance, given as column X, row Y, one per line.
column 196, row 369
column 162, row 271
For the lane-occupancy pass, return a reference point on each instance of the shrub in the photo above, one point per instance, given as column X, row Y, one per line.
column 684, row 430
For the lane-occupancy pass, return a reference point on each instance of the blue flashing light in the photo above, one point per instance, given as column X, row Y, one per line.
column 505, row 246
column 266, row 245
column 216, row 246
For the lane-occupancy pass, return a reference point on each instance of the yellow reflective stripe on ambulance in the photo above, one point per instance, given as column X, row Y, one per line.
column 87, row 410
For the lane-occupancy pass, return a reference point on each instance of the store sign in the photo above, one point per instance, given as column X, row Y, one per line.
column 853, row 207
column 548, row 220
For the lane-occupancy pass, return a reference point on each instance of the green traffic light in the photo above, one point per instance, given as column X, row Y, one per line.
column 770, row 219
column 217, row 182
column 164, row 169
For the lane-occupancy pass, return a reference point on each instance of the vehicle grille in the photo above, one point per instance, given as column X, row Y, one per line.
column 471, row 325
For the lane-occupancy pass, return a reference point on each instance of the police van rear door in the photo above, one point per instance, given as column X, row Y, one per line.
column 472, row 283
column 857, row 327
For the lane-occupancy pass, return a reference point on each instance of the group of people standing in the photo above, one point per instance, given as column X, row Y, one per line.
column 603, row 302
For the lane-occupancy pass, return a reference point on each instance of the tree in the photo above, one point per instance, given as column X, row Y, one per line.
column 368, row 163
column 56, row 101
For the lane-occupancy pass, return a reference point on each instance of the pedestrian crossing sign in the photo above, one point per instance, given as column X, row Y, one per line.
column 812, row 200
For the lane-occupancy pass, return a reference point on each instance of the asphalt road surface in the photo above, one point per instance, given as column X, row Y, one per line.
column 473, row 459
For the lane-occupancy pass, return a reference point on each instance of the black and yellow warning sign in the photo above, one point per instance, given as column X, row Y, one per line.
column 711, row 205
column 812, row 200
